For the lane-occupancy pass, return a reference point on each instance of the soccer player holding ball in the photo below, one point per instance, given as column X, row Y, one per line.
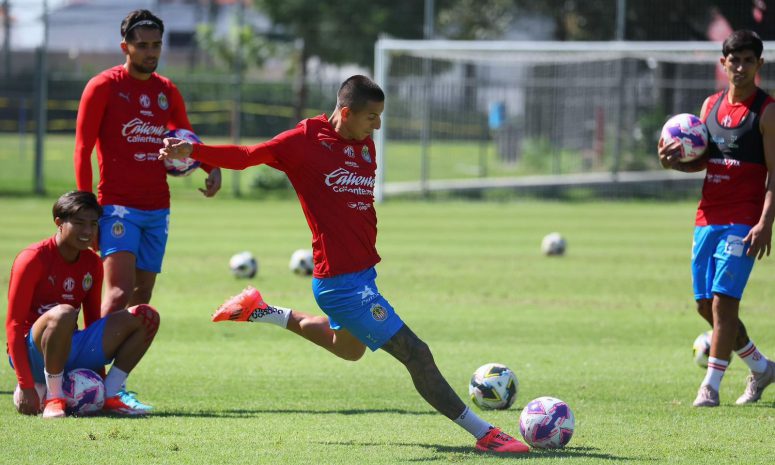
column 733, row 225
column 126, row 111
column 331, row 162
column 51, row 281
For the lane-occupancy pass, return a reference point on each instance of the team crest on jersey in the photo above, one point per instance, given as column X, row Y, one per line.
column 378, row 312
column 145, row 101
column 161, row 100
column 349, row 151
column 365, row 154
column 87, row 282
column 69, row 284
column 117, row 230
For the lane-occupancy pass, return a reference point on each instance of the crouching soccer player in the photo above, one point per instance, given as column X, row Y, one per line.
column 331, row 162
column 50, row 281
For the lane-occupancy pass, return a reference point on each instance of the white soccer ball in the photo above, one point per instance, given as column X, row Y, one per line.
column 701, row 348
column 40, row 389
column 243, row 265
column 553, row 244
column 547, row 423
column 84, row 391
column 493, row 386
column 301, row 262
column 183, row 166
column 690, row 131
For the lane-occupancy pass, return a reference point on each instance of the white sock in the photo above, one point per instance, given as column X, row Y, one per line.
column 114, row 381
column 54, row 384
column 752, row 357
column 716, row 369
column 270, row 314
column 471, row 422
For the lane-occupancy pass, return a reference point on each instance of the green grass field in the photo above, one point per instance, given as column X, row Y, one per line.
column 608, row 328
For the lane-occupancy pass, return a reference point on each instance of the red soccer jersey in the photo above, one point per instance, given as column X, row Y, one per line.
column 334, row 180
column 735, row 180
column 127, row 118
column 40, row 280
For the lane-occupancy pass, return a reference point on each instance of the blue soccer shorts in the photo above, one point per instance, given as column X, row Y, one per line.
column 85, row 351
column 719, row 261
column 141, row 232
column 353, row 302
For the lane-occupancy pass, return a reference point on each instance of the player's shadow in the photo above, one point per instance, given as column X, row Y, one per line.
column 246, row 413
column 535, row 454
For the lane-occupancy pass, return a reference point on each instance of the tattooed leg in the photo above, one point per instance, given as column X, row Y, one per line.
column 408, row 349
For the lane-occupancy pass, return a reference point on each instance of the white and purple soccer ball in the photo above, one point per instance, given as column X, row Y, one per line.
column 690, row 131
column 84, row 392
column 493, row 386
column 701, row 348
column 183, row 166
column 547, row 423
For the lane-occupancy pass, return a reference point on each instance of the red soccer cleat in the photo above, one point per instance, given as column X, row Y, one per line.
column 499, row 442
column 54, row 408
column 241, row 306
column 114, row 405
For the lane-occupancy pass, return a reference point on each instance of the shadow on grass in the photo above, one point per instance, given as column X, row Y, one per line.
column 535, row 454
column 246, row 413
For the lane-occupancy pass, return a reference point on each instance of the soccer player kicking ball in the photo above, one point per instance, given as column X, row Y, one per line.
column 331, row 163
column 735, row 215
column 50, row 281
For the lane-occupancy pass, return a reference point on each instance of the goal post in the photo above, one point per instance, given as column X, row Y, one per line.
column 487, row 113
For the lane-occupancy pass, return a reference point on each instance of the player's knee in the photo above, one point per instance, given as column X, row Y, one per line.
column 420, row 353
column 63, row 314
column 705, row 309
column 149, row 319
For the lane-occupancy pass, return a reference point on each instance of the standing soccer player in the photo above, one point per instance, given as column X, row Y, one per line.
column 126, row 111
column 735, row 215
column 331, row 162
column 50, row 282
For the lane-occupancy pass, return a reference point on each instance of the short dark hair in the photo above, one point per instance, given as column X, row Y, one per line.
column 69, row 204
column 357, row 91
column 137, row 19
column 743, row 40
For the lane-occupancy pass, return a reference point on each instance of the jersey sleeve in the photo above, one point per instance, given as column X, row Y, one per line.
column 93, row 300
column 25, row 273
column 87, row 128
column 237, row 157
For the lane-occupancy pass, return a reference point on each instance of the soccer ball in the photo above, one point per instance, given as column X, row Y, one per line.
column 493, row 386
column 701, row 348
column 243, row 265
column 547, row 423
column 84, row 391
column 187, row 165
column 690, row 131
column 301, row 262
column 40, row 389
column 553, row 244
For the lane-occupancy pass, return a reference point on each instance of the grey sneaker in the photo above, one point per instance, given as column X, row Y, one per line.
column 706, row 397
column 756, row 382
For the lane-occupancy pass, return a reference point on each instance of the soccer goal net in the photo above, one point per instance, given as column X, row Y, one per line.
column 480, row 114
